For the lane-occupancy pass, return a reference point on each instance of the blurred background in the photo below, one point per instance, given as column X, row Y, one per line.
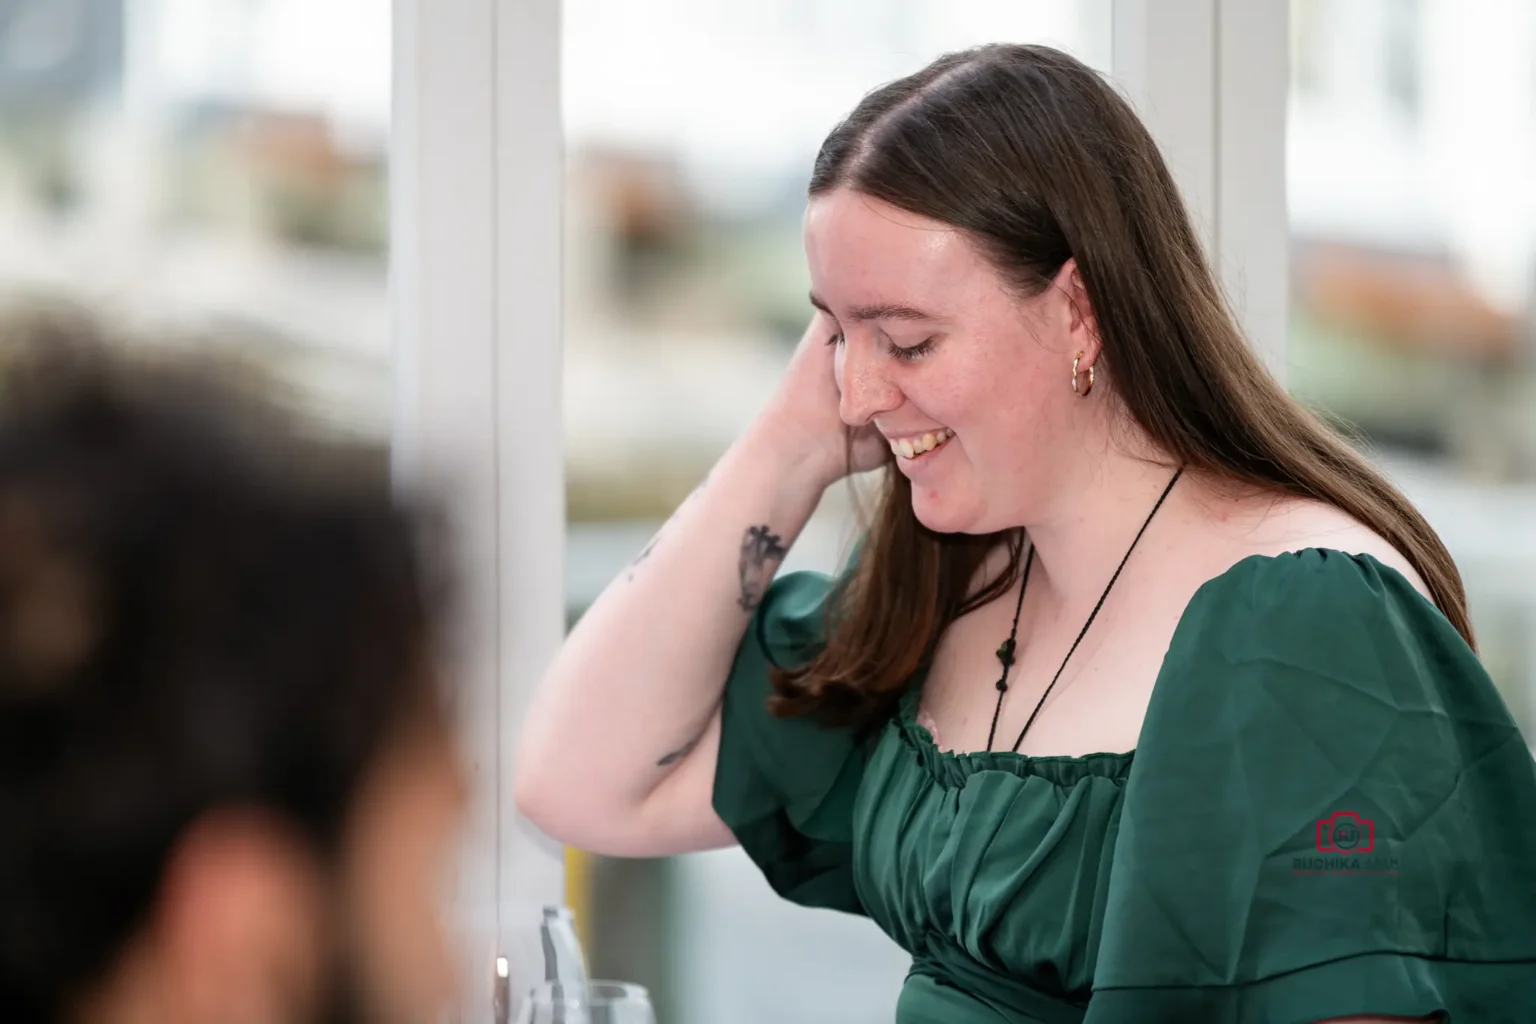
column 221, row 166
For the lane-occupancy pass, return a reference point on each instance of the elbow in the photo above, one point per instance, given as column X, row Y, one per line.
column 542, row 788
column 558, row 805
column 559, row 812
column 535, row 790
column 546, row 795
column 528, row 796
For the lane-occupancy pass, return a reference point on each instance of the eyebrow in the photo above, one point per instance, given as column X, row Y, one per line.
column 877, row 311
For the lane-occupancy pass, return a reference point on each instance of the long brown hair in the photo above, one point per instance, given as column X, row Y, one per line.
column 1039, row 161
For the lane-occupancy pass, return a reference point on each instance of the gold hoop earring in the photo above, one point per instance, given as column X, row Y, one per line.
column 1081, row 392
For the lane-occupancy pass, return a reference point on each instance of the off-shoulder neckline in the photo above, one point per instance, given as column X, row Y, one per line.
column 955, row 765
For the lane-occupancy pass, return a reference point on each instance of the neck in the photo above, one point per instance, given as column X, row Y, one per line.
column 1098, row 509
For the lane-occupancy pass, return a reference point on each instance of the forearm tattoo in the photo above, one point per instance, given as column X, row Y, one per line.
column 761, row 552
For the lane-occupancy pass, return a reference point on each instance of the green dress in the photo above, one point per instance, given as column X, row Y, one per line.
column 1329, row 812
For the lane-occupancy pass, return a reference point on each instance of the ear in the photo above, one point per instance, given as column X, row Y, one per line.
column 239, row 924
column 1083, row 326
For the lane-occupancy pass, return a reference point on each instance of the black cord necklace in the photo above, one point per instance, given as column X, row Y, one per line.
column 1006, row 651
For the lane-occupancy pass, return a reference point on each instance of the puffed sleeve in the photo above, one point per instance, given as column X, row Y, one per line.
column 1331, row 813
column 786, row 787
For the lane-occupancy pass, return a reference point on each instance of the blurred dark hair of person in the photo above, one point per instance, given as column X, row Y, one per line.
column 228, row 786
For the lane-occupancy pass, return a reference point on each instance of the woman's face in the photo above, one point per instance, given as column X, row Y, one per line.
column 937, row 351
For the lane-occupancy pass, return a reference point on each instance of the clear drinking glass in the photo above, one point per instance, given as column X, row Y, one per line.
column 564, row 962
column 603, row 1002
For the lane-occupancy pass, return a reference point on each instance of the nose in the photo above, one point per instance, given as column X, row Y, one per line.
column 865, row 389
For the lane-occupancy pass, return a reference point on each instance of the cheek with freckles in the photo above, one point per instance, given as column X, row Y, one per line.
column 973, row 398
column 998, row 403
column 1025, row 439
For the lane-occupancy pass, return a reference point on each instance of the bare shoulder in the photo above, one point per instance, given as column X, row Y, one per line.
column 1275, row 525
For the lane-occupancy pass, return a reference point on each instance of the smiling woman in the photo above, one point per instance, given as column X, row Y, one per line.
column 1170, row 627
column 977, row 364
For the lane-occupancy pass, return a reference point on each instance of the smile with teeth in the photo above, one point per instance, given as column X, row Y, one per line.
column 912, row 447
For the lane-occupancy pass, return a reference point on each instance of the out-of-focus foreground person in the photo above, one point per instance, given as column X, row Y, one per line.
column 228, row 787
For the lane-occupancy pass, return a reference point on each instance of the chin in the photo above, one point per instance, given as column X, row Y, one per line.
column 943, row 514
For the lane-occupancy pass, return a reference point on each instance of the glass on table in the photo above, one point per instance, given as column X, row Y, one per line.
column 603, row 1002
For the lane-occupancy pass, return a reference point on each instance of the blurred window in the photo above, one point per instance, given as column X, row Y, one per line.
column 1413, row 256
column 217, row 166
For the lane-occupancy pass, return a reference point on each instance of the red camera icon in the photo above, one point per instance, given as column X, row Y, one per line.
column 1345, row 832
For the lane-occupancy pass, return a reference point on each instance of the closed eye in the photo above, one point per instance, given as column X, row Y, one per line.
column 906, row 355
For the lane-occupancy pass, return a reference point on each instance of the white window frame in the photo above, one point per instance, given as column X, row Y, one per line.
column 1211, row 78
column 476, row 284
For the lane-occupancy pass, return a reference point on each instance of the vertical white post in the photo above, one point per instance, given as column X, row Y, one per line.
column 442, row 266
column 530, row 375
column 1252, row 216
column 1210, row 78
column 475, row 178
column 1164, row 59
